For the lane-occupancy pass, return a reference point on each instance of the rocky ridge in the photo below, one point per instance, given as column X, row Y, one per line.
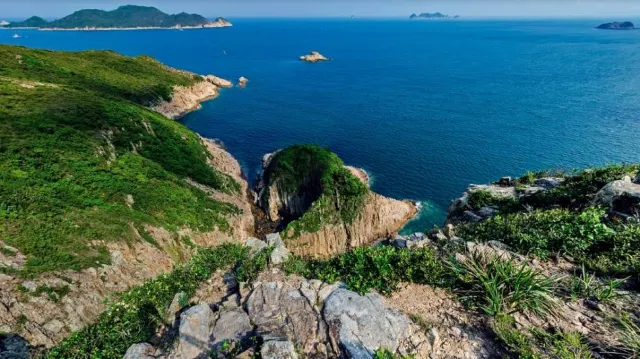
column 283, row 316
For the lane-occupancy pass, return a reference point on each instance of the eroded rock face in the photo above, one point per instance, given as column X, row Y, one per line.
column 278, row 349
column 186, row 99
column 380, row 217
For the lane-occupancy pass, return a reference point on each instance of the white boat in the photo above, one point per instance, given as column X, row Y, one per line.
column 16, row 36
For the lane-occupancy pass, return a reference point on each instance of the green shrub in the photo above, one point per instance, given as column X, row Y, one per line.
column 502, row 286
column 543, row 232
column 629, row 334
column 380, row 268
column 134, row 317
column 249, row 268
column 514, row 340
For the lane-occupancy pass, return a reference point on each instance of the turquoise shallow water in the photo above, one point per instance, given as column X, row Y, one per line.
column 425, row 107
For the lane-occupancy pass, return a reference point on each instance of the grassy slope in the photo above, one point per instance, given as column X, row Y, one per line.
column 67, row 158
column 310, row 168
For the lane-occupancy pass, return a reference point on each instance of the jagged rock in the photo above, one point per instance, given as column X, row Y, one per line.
column 449, row 230
column 232, row 327
column 531, row 190
column 400, row 242
column 255, row 245
column 242, row 81
column 362, row 324
column 139, row 351
column 278, row 349
column 290, row 310
column 220, row 82
column 618, row 195
column 636, row 180
column 314, row 56
column 194, row 339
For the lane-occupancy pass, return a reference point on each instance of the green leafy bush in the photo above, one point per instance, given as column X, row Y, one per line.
column 502, row 286
column 379, row 268
column 543, row 232
column 134, row 317
column 483, row 198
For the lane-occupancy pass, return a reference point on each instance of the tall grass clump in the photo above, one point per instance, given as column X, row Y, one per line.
column 504, row 287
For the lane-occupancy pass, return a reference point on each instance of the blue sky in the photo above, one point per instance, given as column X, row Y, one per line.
column 613, row 9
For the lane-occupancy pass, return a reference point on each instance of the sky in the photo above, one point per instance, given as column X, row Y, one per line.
column 613, row 9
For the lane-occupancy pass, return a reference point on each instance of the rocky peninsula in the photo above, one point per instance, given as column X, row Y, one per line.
column 313, row 57
column 627, row 25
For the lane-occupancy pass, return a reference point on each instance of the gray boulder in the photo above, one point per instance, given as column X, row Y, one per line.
column 292, row 310
column 139, row 351
column 194, row 339
column 278, row 349
column 636, row 180
column 175, row 307
column 362, row 324
column 255, row 245
column 280, row 253
column 231, row 331
column 617, row 190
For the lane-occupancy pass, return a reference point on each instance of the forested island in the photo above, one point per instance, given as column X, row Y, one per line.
column 124, row 17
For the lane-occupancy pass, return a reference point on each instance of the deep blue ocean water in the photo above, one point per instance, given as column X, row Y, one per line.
column 426, row 107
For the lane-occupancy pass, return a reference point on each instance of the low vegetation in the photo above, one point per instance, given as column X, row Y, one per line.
column 134, row 317
column 316, row 174
column 379, row 268
column 563, row 222
column 82, row 159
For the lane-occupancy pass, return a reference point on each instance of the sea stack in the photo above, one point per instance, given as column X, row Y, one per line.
column 627, row 25
column 242, row 81
column 313, row 57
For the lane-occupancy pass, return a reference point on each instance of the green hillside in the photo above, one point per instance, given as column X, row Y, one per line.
column 122, row 17
column 83, row 159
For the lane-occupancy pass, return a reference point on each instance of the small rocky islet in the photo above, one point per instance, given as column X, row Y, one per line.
column 626, row 25
column 307, row 263
column 313, row 57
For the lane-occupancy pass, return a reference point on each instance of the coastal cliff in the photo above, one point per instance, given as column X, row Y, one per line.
column 322, row 207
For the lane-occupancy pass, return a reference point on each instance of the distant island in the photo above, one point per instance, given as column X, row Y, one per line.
column 435, row 15
column 124, row 17
column 3, row 23
column 627, row 25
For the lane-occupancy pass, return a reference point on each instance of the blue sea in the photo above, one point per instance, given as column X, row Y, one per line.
column 425, row 107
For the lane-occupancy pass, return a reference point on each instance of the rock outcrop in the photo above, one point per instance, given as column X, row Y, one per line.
column 242, row 82
column 293, row 317
column 626, row 25
column 622, row 196
column 313, row 57
column 377, row 217
column 219, row 22
column 188, row 99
